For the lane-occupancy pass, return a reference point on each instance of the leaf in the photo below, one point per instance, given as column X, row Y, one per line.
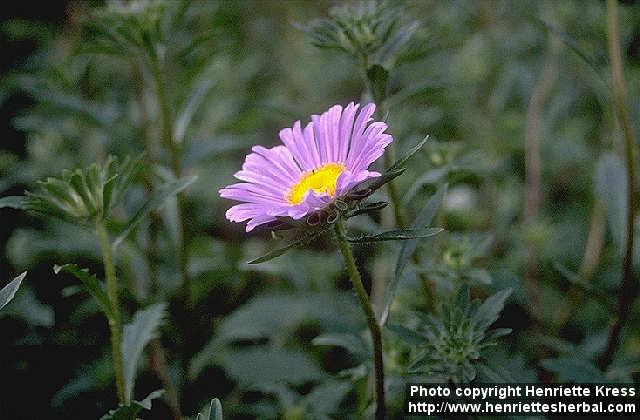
column 259, row 365
column 353, row 344
column 372, row 184
column 396, row 235
column 378, row 78
column 367, row 207
column 134, row 338
column 425, row 217
column 611, row 188
column 17, row 202
column 413, row 338
column 405, row 158
column 92, row 284
column 196, row 97
column 130, row 411
column 9, row 291
column 488, row 312
column 573, row 369
column 325, row 398
column 572, row 43
column 304, row 239
column 396, row 44
column 596, row 293
column 213, row 412
column 497, row 333
column 156, row 200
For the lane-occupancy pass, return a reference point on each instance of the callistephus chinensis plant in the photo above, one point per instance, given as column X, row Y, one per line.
column 315, row 166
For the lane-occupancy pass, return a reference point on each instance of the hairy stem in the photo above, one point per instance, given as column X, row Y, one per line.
column 374, row 327
column 628, row 285
column 114, row 321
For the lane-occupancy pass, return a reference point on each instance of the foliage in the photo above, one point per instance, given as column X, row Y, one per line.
column 452, row 346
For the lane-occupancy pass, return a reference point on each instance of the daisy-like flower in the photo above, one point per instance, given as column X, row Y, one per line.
column 314, row 166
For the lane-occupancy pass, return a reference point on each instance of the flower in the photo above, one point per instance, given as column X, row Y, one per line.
column 312, row 168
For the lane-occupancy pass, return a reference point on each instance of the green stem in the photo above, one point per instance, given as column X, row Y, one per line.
column 114, row 321
column 374, row 327
column 175, row 152
column 629, row 285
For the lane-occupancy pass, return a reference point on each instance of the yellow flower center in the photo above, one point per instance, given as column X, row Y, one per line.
column 320, row 180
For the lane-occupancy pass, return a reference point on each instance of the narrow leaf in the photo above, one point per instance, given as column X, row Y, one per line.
column 404, row 159
column 213, row 412
column 352, row 343
column 130, row 411
column 611, row 188
column 9, row 291
column 411, row 337
column 135, row 337
column 408, row 248
column 396, row 235
column 372, row 184
column 92, row 284
column 488, row 312
column 378, row 77
column 17, row 202
column 156, row 200
column 368, row 207
column 280, row 251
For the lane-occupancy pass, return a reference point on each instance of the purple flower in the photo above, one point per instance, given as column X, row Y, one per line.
column 316, row 165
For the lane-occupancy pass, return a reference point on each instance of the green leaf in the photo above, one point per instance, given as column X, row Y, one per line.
column 156, row 200
column 259, row 365
column 611, row 189
column 325, row 398
column 194, row 100
column 304, row 239
column 396, row 235
column 130, row 411
column 405, row 158
column 350, row 342
column 490, row 309
column 596, row 293
column 92, row 284
column 213, row 412
column 9, row 291
column 135, row 337
column 574, row 369
column 367, row 207
column 378, row 78
column 17, row 202
column 408, row 248
column 411, row 337
column 372, row 184
column 424, row 219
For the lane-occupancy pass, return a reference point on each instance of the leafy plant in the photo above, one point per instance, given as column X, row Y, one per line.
column 451, row 348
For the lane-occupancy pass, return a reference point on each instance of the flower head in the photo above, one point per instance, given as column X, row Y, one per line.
column 314, row 166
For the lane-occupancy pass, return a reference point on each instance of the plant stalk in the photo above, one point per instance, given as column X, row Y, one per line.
column 628, row 285
column 114, row 321
column 158, row 360
column 374, row 327
column 175, row 153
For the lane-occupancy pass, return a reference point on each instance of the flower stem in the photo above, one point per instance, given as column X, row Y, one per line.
column 374, row 327
column 114, row 320
column 628, row 285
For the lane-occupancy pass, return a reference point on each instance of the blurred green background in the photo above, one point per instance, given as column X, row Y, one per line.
column 494, row 83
